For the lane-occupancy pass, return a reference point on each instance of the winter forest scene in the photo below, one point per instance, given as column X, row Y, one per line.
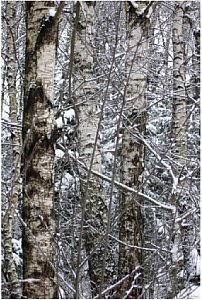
column 100, row 149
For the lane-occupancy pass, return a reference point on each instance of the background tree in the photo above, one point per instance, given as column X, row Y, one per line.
column 10, row 266
column 132, row 165
column 182, row 110
column 163, row 168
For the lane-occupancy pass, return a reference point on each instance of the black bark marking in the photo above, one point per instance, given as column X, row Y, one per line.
column 47, row 32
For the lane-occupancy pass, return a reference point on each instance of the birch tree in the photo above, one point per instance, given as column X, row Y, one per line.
column 11, row 268
column 39, row 248
column 179, row 97
column 92, row 202
column 185, row 109
column 131, row 220
column 178, row 134
column 114, row 211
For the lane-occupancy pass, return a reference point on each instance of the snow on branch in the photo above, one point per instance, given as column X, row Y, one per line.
column 126, row 188
column 137, row 247
column 10, row 124
column 83, row 7
column 167, row 166
column 132, row 286
column 134, row 4
column 29, row 280
column 52, row 12
column 146, row 11
column 113, row 286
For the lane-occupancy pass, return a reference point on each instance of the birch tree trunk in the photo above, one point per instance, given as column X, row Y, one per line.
column 131, row 221
column 196, row 62
column 178, row 142
column 184, row 111
column 92, row 202
column 179, row 97
column 39, row 249
column 4, row 45
column 15, row 291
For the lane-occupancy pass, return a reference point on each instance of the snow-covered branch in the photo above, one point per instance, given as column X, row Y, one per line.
column 126, row 188
column 134, row 246
column 165, row 164
column 114, row 286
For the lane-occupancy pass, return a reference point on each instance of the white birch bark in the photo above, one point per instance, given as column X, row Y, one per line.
column 178, row 141
column 183, row 24
column 11, row 268
column 39, row 249
column 179, row 97
column 92, row 201
column 133, row 149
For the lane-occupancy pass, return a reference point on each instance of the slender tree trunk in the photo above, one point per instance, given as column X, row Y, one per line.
column 15, row 291
column 196, row 63
column 93, row 206
column 3, row 88
column 131, row 221
column 179, row 97
column 178, row 142
column 185, row 234
column 39, row 249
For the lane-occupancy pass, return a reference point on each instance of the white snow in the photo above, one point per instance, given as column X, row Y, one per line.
column 59, row 122
column 175, row 185
column 60, row 82
column 191, row 292
column 160, row 227
column 16, row 243
column 62, row 294
column 63, row 139
column 195, row 259
column 83, row 7
column 141, row 12
column 175, row 253
column 67, row 181
column 32, row 85
column 18, row 250
column 59, row 154
column 118, row 55
column 69, row 114
column 52, row 12
column 17, row 259
column 73, row 154
column 29, row 280
column 152, row 128
column 107, row 48
column 134, row 4
column 149, row 12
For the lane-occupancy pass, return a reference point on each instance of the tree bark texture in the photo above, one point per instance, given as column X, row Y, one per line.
column 132, row 166
column 39, row 249
column 178, row 141
column 85, row 100
column 11, row 269
column 179, row 98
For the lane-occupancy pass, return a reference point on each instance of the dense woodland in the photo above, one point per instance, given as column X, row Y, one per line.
column 100, row 118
